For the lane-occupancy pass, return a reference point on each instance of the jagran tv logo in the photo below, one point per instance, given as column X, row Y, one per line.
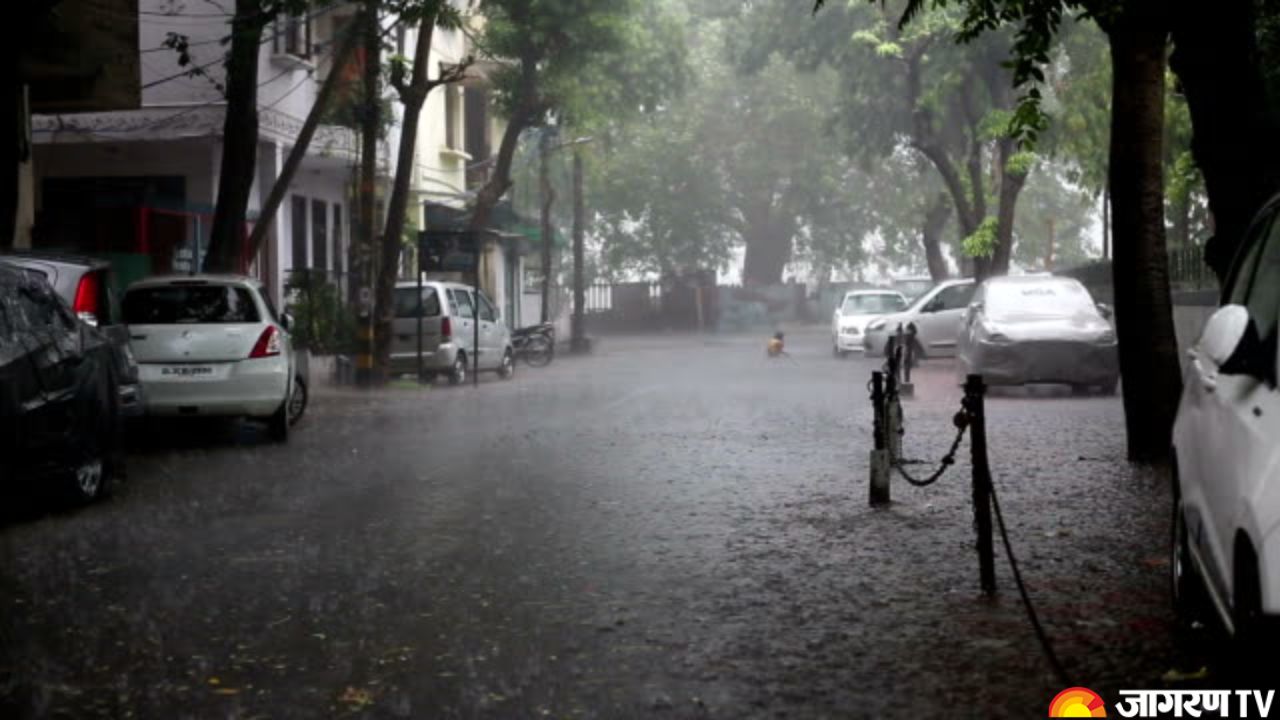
column 1083, row 702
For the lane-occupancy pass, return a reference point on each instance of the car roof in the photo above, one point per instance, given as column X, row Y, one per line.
column 872, row 291
column 210, row 278
column 1029, row 279
column 56, row 257
column 432, row 283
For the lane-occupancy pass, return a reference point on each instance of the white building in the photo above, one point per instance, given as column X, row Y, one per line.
column 140, row 185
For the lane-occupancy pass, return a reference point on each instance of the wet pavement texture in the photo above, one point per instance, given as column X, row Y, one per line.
column 675, row 526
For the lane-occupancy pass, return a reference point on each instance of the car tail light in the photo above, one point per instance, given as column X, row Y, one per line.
column 446, row 330
column 268, row 344
column 87, row 294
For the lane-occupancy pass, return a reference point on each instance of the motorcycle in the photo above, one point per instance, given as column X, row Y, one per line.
column 536, row 344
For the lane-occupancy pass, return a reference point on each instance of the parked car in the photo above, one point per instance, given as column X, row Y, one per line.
column 855, row 311
column 447, row 317
column 1038, row 329
column 937, row 316
column 59, row 399
column 1226, row 521
column 212, row 345
column 913, row 287
column 85, row 283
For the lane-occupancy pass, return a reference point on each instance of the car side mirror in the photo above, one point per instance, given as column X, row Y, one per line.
column 1105, row 310
column 1225, row 333
column 286, row 321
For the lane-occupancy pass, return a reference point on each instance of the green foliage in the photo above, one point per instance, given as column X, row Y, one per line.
column 322, row 322
column 982, row 243
column 1020, row 163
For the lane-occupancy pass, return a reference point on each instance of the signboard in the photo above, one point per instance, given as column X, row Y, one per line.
column 448, row 251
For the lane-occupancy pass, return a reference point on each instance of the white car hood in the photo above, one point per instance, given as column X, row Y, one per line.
column 856, row 321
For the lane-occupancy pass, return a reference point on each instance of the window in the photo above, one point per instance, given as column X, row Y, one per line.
column 1263, row 296
column 462, row 303
column 955, row 297
column 475, row 105
column 486, row 308
column 189, row 304
column 872, row 304
column 319, row 235
column 293, row 36
column 1048, row 299
column 339, row 255
column 407, row 308
column 450, row 115
column 298, row 231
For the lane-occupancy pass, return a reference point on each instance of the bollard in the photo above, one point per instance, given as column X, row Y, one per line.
column 974, row 391
column 879, row 454
column 906, row 388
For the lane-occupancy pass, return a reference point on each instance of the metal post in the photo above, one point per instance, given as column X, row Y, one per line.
column 420, row 311
column 906, row 388
column 974, row 392
column 578, row 334
column 880, row 454
column 475, row 321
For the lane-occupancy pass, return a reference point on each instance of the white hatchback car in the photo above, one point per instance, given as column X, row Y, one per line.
column 211, row 345
column 937, row 316
column 856, row 310
column 1226, row 528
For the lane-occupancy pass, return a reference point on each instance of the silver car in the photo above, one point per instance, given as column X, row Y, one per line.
column 448, row 314
column 1038, row 329
column 937, row 315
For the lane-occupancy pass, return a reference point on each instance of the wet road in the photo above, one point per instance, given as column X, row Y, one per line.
column 674, row 527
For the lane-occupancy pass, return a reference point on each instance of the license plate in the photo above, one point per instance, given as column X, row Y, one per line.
column 194, row 372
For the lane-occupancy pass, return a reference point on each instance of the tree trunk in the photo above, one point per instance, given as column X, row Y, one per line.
column 1051, row 239
column 547, row 196
column 239, row 139
column 11, row 156
column 370, row 110
column 300, row 145
column 766, row 258
column 525, row 113
column 1140, row 272
column 577, row 330
column 935, row 220
column 412, row 96
column 1217, row 61
column 1011, row 184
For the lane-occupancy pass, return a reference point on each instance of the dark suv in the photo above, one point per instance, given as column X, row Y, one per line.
column 59, row 398
column 85, row 283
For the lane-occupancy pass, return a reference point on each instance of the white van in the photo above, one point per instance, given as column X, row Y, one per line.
column 448, row 313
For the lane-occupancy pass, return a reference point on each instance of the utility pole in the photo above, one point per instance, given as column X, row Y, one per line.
column 577, row 335
column 369, row 122
column 548, row 195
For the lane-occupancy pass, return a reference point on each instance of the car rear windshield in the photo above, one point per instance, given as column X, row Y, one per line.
column 407, row 308
column 873, row 304
column 1037, row 300
column 188, row 304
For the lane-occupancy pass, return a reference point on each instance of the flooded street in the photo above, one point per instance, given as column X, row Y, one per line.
column 672, row 527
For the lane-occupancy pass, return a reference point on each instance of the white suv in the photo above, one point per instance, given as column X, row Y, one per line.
column 211, row 345
column 1226, row 529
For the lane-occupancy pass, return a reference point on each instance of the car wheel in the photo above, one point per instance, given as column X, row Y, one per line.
column 539, row 352
column 90, row 478
column 1254, row 632
column 1189, row 599
column 278, row 424
column 298, row 401
column 458, row 374
column 508, row 367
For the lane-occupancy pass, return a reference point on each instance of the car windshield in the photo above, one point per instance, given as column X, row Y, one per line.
column 872, row 304
column 912, row 288
column 1037, row 300
column 189, row 304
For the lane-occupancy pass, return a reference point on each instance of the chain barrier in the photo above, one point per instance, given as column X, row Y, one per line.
column 961, row 421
